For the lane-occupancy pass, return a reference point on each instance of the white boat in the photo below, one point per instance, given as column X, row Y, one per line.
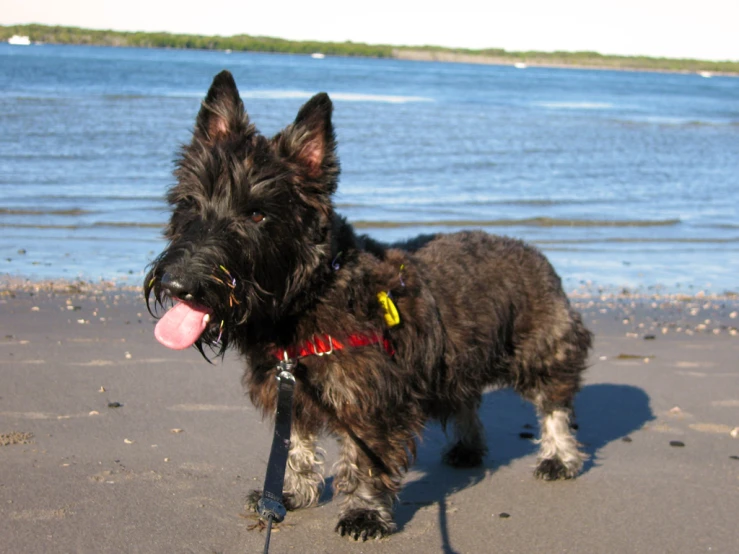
column 19, row 40
column 317, row 56
column 520, row 65
column 705, row 74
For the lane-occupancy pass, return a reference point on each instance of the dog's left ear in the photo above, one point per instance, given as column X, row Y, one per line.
column 310, row 141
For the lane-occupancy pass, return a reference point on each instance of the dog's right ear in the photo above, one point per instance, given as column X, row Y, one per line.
column 222, row 112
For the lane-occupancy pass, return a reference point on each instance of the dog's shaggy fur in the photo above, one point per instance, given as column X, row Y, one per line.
column 255, row 242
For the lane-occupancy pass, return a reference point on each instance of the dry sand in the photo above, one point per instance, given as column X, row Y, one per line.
column 111, row 443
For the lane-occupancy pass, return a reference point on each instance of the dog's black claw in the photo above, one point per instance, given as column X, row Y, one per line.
column 364, row 524
column 552, row 469
column 463, row 456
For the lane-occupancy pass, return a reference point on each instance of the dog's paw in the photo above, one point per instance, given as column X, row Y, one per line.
column 364, row 524
column 462, row 456
column 553, row 469
column 252, row 501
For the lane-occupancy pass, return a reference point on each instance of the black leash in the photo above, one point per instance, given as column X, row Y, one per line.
column 270, row 506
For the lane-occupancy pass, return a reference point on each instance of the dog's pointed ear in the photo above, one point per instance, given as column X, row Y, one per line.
column 222, row 112
column 310, row 141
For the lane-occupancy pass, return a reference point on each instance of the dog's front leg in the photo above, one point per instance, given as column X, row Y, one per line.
column 368, row 491
column 303, row 474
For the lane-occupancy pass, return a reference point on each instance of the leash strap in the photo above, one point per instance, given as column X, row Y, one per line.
column 270, row 506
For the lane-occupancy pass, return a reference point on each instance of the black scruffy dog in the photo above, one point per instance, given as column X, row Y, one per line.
column 386, row 337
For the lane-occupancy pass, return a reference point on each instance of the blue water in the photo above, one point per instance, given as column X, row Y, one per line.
column 621, row 178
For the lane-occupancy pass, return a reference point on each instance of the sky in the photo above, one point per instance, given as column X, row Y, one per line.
column 705, row 29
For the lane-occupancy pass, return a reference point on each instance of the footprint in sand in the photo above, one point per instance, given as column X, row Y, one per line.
column 206, row 408
column 40, row 514
column 732, row 403
column 713, row 428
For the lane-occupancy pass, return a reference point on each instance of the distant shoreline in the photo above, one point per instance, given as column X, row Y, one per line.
column 533, row 59
column 246, row 43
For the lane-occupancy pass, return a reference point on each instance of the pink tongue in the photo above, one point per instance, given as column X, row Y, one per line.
column 181, row 326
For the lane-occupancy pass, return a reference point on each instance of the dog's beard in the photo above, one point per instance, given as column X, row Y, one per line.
column 204, row 322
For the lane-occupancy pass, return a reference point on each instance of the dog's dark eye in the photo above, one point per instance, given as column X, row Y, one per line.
column 257, row 217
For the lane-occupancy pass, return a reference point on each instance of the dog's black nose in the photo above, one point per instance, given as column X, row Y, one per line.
column 177, row 287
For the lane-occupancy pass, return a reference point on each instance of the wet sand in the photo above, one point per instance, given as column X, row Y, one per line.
column 112, row 443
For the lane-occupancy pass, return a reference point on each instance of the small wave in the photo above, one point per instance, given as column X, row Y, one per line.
column 364, row 224
column 105, row 197
column 134, row 224
column 391, row 99
column 575, row 105
column 22, row 211
column 527, row 222
column 250, row 94
column 37, row 226
column 529, row 202
column 337, row 96
column 679, row 121
column 476, row 202
column 682, row 122
column 126, row 96
column 640, row 240
column 113, row 224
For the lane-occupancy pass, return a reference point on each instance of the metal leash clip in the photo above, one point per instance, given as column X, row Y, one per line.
column 286, row 367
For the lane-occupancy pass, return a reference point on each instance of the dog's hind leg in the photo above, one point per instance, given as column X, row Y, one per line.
column 467, row 448
column 559, row 454
column 549, row 374
column 303, row 476
column 368, row 492
column 552, row 392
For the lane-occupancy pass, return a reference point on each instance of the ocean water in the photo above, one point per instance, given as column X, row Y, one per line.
column 624, row 179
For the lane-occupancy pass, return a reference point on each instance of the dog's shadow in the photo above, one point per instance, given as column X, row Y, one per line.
column 604, row 412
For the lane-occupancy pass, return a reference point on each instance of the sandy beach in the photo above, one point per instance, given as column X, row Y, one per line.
column 112, row 443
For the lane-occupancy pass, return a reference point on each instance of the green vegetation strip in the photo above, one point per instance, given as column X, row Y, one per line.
column 247, row 43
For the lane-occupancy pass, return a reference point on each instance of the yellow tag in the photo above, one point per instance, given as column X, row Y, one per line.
column 392, row 318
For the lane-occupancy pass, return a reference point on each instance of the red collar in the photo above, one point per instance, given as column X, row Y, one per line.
column 322, row 345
